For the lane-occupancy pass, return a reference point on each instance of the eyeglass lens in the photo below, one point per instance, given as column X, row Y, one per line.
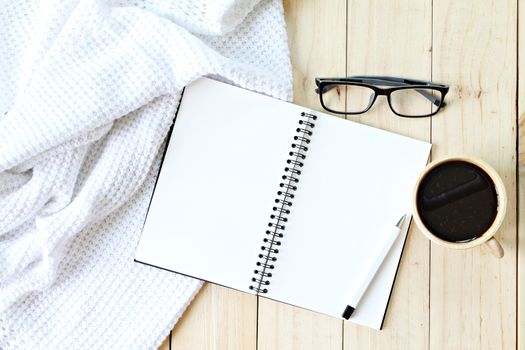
column 410, row 102
column 415, row 102
column 349, row 98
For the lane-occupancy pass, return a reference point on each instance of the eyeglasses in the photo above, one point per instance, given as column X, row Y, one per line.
column 356, row 95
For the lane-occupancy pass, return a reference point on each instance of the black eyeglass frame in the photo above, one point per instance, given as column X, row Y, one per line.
column 371, row 82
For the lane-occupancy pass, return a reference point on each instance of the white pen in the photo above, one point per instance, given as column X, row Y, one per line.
column 389, row 242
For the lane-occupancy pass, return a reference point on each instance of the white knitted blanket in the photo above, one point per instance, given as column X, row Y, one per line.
column 88, row 91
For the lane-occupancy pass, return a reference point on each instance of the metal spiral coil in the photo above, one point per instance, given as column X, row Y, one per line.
column 281, row 210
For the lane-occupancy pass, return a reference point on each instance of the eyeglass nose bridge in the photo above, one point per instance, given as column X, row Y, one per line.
column 373, row 97
column 381, row 93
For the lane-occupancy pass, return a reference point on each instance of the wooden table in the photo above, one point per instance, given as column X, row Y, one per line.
column 442, row 299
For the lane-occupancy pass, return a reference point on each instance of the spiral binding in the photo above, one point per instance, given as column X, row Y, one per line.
column 281, row 210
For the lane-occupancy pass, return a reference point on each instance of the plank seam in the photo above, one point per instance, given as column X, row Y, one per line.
column 346, row 117
column 346, row 53
column 257, row 325
column 517, row 175
column 430, row 139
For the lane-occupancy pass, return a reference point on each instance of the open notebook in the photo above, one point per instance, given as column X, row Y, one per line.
column 273, row 199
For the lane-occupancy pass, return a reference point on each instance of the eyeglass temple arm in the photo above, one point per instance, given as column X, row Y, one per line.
column 389, row 82
column 392, row 81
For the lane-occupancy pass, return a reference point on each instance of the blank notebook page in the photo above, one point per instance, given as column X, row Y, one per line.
column 354, row 187
column 218, row 183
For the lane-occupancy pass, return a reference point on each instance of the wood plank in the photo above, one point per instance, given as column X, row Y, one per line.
column 521, row 182
column 283, row 326
column 219, row 318
column 394, row 38
column 165, row 344
column 317, row 41
column 473, row 294
column 317, row 37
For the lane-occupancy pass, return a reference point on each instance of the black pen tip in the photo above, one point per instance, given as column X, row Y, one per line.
column 349, row 310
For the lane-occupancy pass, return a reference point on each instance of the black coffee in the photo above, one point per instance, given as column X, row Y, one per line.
column 457, row 201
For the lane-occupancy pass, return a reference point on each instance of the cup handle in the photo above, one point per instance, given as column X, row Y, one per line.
column 495, row 248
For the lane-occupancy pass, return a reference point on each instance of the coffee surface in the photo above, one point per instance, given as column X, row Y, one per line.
column 457, row 201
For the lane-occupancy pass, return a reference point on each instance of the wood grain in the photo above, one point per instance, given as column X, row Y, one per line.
column 380, row 43
column 219, row 318
column 317, row 42
column 473, row 294
column 165, row 344
column 317, row 38
column 442, row 299
column 283, row 326
column 521, row 180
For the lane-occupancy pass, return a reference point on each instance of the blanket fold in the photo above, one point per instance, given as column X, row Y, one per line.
column 88, row 92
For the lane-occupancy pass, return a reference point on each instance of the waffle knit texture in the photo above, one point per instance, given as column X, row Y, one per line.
column 88, row 92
